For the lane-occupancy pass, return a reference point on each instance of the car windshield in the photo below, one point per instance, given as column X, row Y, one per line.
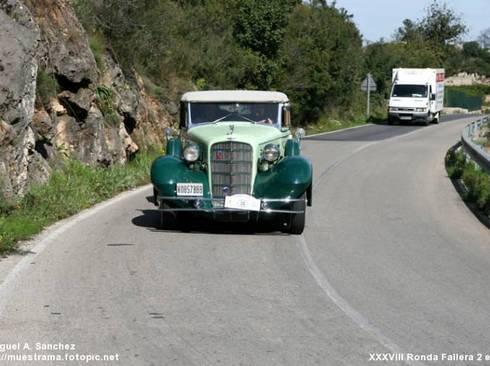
column 409, row 91
column 266, row 113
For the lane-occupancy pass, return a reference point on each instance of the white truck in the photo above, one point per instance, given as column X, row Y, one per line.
column 417, row 95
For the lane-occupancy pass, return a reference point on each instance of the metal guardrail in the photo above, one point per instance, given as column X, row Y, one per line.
column 477, row 152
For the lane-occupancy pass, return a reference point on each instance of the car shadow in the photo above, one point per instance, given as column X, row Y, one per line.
column 150, row 219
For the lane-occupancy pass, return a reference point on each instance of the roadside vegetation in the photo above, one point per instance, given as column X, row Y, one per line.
column 312, row 50
column 475, row 181
column 70, row 189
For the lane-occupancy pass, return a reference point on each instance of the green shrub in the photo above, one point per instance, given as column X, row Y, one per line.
column 476, row 181
column 105, row 99
column 98, row 46
column 47, row 87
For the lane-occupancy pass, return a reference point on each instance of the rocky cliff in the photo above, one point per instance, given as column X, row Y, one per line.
column 57, row 101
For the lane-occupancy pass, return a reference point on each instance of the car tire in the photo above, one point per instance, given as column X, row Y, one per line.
column 168, row 219
column 297, row 221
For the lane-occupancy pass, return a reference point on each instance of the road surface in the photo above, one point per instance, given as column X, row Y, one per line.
column 391, row 261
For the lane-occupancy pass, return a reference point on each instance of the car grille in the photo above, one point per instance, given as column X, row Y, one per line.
column 231, row 167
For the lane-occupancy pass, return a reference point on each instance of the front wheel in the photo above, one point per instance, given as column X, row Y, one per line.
column 436, row 118
column 168, row 219
column 297, row 220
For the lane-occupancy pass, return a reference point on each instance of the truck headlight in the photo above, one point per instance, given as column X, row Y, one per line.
column 191, row 153
column 393, row 109
column 271, row 153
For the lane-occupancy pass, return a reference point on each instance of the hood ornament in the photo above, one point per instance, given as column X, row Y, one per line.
column 232, row 129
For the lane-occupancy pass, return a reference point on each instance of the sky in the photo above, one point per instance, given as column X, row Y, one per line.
column 380, row 18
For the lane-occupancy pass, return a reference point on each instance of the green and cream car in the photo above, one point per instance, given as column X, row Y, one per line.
column 234, row 160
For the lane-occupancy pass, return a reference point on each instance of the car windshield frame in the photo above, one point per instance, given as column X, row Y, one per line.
column 410, row 91
column 263, row 113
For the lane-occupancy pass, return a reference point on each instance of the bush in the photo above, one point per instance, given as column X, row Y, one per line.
column 476, row 181
column 105, row 99
column 47, row 87
column 98, row 46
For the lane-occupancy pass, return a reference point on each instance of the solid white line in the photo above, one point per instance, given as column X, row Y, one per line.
column 343, row 305
column 322, row 280
column 47, row 236
column 339, row 130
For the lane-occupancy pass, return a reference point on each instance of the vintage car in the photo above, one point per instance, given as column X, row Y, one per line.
column 234, row 160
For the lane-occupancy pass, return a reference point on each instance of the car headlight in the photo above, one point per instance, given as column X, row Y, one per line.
column 393, row 109
column 191, row 153
column 271, row 153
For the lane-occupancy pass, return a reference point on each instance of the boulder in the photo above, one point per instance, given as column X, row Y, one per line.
column 65, row 49
column 77, row 104
column 7, row 134
column 21, row 165
column 19, row 40
column 42, row 124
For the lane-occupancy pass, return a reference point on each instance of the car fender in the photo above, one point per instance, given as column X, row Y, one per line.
column 168, row 170
column 289, row 178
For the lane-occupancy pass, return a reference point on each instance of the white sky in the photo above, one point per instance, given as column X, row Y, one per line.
column 380, row 18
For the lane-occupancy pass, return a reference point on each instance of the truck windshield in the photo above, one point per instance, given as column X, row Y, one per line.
column 409, row 91
column 266, row 113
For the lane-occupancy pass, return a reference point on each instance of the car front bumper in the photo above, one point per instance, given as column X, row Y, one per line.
column 409, row 116
column 212, row 205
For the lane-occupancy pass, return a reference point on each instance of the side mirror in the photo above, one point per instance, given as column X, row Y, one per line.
column 286, row 115
column 168, row 133
column 300, row 133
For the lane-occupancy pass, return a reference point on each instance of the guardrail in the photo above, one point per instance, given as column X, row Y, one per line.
column 476, row 151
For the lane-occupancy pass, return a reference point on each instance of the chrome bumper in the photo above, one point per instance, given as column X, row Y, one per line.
column 197, row 201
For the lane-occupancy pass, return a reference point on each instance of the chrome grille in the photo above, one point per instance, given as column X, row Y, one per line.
column 231, row 166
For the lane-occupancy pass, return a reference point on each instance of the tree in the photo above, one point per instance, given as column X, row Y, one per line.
column 484, row 38
column 441, row 25
column 321, row 61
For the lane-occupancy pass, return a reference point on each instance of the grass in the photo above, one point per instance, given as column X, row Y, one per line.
column 98, row 46
column 105, row 99
column 327, row 124
column 475, row 180
column 46, row 86
column 70, row 189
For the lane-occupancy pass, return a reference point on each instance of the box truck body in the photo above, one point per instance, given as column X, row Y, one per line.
column 417, row 95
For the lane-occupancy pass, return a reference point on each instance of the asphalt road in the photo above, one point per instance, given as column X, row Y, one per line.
column 391, row 261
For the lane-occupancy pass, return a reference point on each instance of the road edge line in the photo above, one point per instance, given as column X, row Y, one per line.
column 340, row 130
column 43, row 239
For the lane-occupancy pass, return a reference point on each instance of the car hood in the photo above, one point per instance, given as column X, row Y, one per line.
column 253, row 134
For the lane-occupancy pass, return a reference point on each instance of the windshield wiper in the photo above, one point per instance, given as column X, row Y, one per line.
column 222, row 118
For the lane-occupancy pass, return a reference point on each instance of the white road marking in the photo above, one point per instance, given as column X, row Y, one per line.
column 339, row 130
column 322, row 280
column 47, row 236
column 344, row 306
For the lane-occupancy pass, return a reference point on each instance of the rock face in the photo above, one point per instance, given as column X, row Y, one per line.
column 464, row 78
column 56, row 103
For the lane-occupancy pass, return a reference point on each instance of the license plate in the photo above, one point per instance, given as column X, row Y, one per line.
column 190, row 189
column 242, row 202
column 407, row 118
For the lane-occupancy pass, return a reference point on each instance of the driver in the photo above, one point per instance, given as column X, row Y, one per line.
column 260, row 115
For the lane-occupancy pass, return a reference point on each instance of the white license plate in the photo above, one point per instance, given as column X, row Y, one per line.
column 242, row 202
column 406, row 118
column 190, row 189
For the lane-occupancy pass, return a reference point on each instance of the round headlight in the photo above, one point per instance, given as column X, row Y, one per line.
column 270, row 153
column 191, row 153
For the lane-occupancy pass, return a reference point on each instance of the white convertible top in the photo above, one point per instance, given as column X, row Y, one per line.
column 239, row 96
